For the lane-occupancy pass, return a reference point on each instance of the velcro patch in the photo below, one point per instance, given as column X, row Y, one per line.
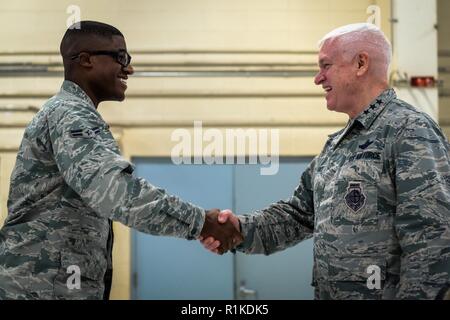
column 355, row 198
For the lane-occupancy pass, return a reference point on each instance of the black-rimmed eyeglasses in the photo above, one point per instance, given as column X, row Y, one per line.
column 121, row 56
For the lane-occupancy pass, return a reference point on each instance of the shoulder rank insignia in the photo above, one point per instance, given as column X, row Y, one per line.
column 355, row 198
column 85, row 133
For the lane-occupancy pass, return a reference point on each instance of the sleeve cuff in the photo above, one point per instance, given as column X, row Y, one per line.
column 247, row 230
column 196, row 226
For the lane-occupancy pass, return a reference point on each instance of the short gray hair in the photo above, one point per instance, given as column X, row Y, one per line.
column 367, row 34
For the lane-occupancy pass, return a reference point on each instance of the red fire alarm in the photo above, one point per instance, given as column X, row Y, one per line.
column 423, row 82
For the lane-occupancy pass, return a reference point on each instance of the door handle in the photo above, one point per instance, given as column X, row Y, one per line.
column 245, row 293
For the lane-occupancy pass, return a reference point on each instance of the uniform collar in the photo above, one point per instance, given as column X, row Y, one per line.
column 74, row 89
column 368, row 116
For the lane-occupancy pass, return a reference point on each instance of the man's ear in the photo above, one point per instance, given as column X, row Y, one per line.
column 362, row 61
column 85, row 60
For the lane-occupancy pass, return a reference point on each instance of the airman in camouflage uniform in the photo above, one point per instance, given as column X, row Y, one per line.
column 70, row 182
column 376, row 199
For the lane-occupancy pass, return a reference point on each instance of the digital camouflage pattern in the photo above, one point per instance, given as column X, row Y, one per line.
column 377, row 195
column 68, row 183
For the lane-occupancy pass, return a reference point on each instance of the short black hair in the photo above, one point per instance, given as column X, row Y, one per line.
column 81, row 30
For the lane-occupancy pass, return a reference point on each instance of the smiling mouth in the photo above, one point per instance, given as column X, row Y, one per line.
column 123, row 81
column 327, row 89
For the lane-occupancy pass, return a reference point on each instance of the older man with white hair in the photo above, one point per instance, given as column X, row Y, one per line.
column 377, row 198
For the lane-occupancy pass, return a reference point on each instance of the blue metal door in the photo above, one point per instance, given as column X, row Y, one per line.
column 283, row 275
column 169, row 268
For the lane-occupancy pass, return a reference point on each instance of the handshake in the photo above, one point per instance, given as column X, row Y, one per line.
column 221, row 231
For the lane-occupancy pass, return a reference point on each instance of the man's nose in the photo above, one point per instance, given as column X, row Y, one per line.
column 318, row 79
column 128, row 69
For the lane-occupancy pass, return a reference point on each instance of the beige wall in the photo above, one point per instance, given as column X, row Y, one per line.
column 155, row 24
column 156, row 106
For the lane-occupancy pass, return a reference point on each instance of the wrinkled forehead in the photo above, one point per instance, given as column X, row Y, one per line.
column 330, row 49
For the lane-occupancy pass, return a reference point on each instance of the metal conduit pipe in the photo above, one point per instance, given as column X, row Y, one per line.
column 18, row 108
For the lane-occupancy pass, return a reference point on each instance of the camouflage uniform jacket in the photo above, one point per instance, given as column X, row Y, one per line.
column 377, row 202
column 68, row 184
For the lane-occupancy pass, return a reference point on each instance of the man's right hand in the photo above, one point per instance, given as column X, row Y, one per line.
column 223, row 233
column 213, row 244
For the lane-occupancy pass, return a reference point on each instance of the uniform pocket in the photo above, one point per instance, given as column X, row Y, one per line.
column 357, row 277
column 355, row 203
column 355, row 194
column 356, row 268
column 86, row 270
